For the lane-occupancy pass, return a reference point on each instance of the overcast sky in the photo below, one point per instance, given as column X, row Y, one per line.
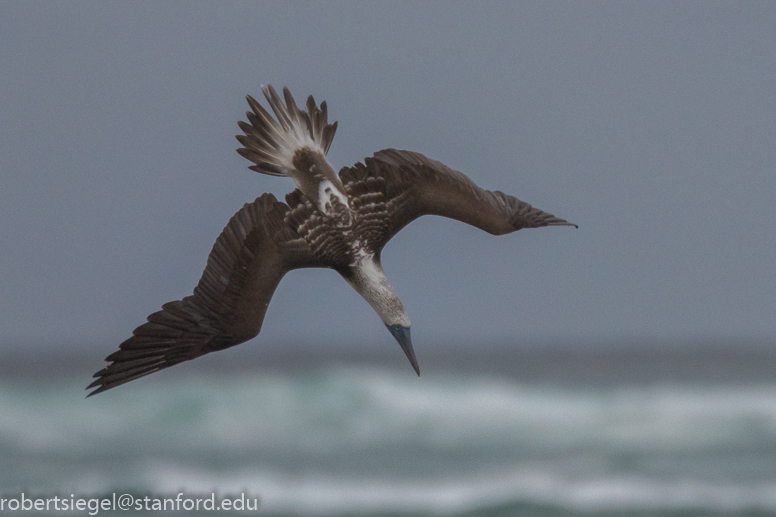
column 651, row 125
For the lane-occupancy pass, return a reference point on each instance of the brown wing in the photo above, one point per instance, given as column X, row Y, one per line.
column 228, row 306
column 393, row 188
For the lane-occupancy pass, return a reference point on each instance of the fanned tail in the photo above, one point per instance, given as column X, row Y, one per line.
column 271, row 144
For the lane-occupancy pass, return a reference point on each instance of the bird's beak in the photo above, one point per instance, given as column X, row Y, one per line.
column 402, row 335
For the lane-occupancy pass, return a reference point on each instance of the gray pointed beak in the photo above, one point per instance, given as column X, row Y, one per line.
column 402, row 335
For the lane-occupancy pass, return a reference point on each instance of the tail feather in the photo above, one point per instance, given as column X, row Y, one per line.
column 270, row 142
column 328, row 136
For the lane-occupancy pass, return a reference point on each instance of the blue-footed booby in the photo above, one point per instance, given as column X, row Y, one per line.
column 331, row 221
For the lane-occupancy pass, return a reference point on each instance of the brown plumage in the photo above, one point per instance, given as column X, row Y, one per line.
column 266, row 239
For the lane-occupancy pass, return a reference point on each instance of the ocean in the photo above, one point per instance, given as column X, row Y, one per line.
column 523, row 433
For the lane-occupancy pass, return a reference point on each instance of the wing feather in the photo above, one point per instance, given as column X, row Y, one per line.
column 228, row 306
column 393, row 188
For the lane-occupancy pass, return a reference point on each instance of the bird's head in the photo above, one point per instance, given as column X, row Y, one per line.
column 402, row 335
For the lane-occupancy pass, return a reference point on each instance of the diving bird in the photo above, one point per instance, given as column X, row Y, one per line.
column 332, row 221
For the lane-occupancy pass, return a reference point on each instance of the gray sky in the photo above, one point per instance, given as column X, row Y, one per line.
column 651, row 125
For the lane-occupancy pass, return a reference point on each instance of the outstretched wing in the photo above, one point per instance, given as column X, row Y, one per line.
column 393, row 188
column 228, row 306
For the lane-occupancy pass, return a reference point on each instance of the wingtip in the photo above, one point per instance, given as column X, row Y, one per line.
column 563, row 222
column 99, row 389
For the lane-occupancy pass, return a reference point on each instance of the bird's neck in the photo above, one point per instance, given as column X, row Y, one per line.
column 368, row 279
